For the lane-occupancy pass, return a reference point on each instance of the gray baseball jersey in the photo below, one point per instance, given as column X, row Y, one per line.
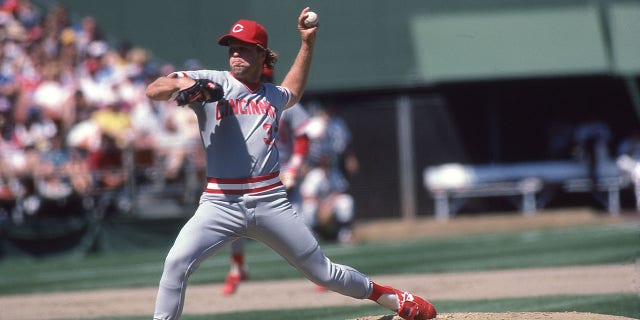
column 250, row 114
column 292, row 124
column 244, row 196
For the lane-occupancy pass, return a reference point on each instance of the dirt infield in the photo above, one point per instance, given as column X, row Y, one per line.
column 513, row 316
column 205, row 299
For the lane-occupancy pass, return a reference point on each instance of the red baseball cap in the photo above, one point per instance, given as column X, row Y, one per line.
column 246, row 31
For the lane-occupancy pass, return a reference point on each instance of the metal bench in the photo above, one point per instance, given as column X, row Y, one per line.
column 450, row 184
column 610, row 185
column 526, row 189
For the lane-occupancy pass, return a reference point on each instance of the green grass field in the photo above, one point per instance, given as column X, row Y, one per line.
column 544, row 248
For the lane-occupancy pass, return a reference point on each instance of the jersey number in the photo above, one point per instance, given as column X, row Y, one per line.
column 272, row 132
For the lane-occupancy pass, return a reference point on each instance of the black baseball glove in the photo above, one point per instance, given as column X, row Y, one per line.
column 203, row 90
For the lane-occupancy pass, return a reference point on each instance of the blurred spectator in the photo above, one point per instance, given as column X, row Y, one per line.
column 136, row 66
column 85, row 134
column 79, row 173
column 106, row 164
column 68, row 55
column 15, row 158
column 7, row 143
column 114, row 121
column 97, row 78
column 145, row 120
column 7, row 201
column 28, row 202
column 51, row 29
column 9, row 87
column 54, row 182
column 86, row 32
column 7, row 149
column 24, row 11
column 81, row 108
column 54, row 97
column 178, row 142
column 24, row 61
column 36, row 132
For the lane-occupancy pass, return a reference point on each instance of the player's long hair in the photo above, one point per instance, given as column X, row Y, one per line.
column 271, row 57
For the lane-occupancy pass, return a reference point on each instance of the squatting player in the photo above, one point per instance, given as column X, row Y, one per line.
column 244, row 196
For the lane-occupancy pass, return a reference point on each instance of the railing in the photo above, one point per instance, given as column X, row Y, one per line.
column 135, row 186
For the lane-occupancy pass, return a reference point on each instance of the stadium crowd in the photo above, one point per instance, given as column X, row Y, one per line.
column 75, row 124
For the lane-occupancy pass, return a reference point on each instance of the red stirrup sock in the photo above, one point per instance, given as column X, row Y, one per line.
column 379, row 290
column 238, row 258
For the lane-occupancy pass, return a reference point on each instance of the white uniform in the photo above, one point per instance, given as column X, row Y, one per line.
column 244, row 196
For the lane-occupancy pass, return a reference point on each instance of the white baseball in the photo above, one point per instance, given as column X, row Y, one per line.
column 311, row 20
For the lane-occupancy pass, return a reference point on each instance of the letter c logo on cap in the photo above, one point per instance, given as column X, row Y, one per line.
column 237, row 28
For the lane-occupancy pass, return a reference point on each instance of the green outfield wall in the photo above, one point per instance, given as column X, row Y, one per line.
column 380, row 43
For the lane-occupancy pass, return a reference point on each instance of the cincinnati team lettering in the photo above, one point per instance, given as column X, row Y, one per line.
column 226, row 108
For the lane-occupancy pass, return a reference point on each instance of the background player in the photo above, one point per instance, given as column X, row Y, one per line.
column 244, row 196
column 327, row 206
column 293, row 145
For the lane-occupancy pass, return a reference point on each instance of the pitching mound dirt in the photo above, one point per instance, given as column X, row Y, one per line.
column 512, row 316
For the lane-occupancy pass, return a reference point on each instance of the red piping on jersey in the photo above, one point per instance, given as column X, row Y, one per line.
column 245, row 180
column 242, row 191
column 243, row 185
